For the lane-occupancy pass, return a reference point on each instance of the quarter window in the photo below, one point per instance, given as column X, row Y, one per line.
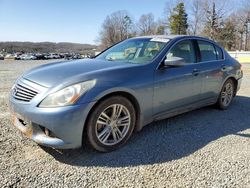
column 207, row 51
column 183, row 49
column 219, row 53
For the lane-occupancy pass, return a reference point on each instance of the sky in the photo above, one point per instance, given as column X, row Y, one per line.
column 76, row 21
column 65, row 20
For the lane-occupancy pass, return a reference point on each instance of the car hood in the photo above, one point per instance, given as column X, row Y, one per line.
column 55, row 73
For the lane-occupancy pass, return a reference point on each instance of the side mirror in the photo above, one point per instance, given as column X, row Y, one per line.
column 174, row 62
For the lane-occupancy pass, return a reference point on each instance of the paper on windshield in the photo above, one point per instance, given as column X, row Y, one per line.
column 164, row 40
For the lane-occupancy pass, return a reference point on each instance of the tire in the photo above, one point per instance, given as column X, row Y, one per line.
column 111, row 124
column 226, row 95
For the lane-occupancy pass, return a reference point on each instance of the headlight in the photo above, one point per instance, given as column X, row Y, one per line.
column 68, row 95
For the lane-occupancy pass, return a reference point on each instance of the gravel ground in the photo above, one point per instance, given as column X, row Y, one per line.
column 203, row 148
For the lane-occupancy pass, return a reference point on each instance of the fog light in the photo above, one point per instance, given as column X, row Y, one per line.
column 47, row 132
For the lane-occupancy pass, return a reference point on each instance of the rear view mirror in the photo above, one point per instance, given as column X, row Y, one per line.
column 174, row 62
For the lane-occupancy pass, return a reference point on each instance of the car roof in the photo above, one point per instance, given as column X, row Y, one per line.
column 161, row 36
column 172, row 36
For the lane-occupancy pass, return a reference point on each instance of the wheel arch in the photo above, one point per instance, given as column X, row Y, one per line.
column 122, row 93
column 235, row 81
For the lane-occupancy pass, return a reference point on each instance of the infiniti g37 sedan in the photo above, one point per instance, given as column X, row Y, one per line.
column 102, row 101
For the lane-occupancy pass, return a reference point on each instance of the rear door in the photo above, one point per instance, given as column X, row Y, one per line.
column 211, row 62
column 176, row 87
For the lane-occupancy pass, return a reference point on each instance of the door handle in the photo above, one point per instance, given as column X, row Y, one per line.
column 196, row 72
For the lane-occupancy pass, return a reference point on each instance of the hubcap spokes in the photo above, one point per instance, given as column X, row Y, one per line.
column 227, row 94
column 113, row 124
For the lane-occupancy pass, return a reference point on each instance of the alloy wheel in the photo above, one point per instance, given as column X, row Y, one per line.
column 227, row 94
column 113, row 124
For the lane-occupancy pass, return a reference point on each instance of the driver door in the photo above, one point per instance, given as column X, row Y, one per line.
column 177, row 87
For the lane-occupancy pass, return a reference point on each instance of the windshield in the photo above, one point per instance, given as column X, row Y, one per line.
column 135, row 50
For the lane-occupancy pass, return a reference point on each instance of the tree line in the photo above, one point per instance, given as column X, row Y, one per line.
column 209, row 18
column 46, row 47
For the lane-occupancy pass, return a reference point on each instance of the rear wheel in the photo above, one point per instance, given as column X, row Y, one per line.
column 111, row 124
column 226, row 95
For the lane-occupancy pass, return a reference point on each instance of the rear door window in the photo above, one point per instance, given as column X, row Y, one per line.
column 207, row 51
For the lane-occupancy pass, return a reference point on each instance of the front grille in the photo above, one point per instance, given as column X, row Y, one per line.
column 23, row 93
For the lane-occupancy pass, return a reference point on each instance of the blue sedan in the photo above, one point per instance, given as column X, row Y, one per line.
column 102, row 101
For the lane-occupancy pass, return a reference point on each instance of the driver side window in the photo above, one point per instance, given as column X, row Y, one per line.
column 183, row 49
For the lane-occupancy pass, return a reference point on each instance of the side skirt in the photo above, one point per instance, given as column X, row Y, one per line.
column 185, row 109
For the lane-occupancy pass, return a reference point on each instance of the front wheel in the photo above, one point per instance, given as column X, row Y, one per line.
column 226, row 95
column 111, row 124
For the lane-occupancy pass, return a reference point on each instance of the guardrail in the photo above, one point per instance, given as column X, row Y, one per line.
column 241, row 56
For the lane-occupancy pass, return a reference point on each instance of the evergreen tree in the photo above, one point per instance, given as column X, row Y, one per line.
column 178, row 20
column 160, row 30
column 227, row 35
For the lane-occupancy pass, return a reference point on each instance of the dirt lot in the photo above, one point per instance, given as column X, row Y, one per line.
column 203, row 148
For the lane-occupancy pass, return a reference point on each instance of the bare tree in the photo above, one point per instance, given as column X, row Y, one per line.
column 196, row 19
column 203, row 15
column 241, row 19
column 147, row 25
column 116, row 27
column 245, row 22
column 215, row 14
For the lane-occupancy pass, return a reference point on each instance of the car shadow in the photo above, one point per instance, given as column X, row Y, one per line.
column 169, row 139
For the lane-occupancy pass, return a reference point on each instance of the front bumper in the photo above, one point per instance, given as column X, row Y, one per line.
column 60, row 127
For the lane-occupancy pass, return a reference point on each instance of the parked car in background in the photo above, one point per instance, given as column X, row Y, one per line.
column 28, row 57
column 39, row 56
column 70, row 56
column 77, row 56
column 52, row 56
column 138, row 81
column 10, row 57
column 1, row 57
column 17, row 55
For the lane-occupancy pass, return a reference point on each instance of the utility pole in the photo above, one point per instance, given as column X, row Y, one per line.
column 241, row 39
column 246, row 36
column 127, row 23
column 247, row 30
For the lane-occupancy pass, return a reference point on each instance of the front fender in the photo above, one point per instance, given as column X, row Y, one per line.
column 117, row 89
column 144, row 102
